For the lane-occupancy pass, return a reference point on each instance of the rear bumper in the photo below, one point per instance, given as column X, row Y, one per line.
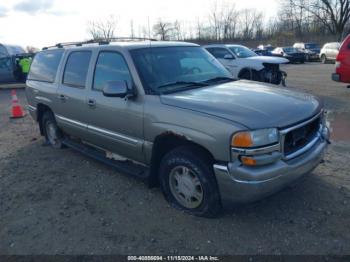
column 336, row 77
column 240, row 184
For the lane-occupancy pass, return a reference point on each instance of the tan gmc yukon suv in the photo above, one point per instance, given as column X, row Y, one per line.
column 171, row 114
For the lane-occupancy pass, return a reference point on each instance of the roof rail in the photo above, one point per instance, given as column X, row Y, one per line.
column 101, row 41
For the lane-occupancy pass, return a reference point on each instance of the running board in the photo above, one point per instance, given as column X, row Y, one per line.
column 125, row 166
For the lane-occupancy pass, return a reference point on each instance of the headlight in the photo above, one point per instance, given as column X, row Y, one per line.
column 255, row 138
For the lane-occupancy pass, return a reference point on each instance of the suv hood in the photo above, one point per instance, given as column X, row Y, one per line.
column 268, row 59
column 248, row 103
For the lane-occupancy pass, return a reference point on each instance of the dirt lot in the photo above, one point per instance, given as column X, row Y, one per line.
column 61, row 202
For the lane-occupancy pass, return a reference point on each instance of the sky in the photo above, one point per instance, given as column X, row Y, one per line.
column 46, row 22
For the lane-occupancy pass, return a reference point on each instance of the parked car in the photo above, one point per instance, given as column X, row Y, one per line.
column 342, row 64
column 8, row 66
column 170, row 113
column 245, row 64
column 291, row 53
column 311, row 50
column 329, row 52
column 266, row 47
column 262, row 52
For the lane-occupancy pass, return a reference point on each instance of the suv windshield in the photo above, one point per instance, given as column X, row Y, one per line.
column 242, row 51
column 173, row 69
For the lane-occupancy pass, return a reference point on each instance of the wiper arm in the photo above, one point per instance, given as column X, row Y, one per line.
column 218, row 79
column 186, row 83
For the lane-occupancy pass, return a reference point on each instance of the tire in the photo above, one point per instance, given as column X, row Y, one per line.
column 323, row 59
column 188, row 183
column 52, row 133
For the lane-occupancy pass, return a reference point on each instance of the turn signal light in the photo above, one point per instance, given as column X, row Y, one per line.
column 242, row 139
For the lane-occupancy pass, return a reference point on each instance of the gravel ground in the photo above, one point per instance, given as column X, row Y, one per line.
column 61, row 202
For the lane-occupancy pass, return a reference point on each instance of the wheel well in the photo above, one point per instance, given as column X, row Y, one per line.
column 246, row 70
column 165, row 143
column 41, row 109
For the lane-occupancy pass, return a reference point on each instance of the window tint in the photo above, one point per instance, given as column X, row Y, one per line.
column 110, row 66
column 44, row 65
column 161, row 66
column 5, row 63
column 218, row 52
column 76, row 68
column 242, row 51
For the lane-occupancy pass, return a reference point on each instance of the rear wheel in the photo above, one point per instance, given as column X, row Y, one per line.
column 188, row 182
column 53, row 134
column 323, row 59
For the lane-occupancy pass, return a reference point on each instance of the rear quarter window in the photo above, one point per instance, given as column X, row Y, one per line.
column 44, row 66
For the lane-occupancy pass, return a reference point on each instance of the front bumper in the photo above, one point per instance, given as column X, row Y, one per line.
column 239, row 184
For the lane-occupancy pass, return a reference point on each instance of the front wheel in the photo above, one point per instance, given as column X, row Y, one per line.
column 323, row 59
column 53, row 134
column 188, row 182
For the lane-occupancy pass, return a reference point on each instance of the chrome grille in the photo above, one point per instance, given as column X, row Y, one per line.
column 296, row 140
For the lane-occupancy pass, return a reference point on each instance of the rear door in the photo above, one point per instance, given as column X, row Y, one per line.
column 71, row 112
column 115, row 124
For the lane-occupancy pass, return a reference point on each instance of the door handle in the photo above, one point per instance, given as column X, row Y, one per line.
column 62, row 97
column 91, row 102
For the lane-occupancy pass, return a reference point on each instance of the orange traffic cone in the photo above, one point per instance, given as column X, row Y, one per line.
column 17, row 111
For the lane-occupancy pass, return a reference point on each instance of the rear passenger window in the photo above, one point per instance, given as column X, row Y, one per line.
column 76, row 69
column 110, row 66
column 44, row 66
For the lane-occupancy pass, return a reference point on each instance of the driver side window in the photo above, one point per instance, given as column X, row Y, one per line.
column 218, row 52
column 110, row 66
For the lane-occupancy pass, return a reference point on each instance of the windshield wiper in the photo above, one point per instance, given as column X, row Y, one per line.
column 219, row 79
column 186, row 83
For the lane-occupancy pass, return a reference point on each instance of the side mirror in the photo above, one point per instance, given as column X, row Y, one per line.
column 228, row 57
column 115, row 89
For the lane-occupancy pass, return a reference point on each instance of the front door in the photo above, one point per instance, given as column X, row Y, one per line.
column 226, row 58
column 114, row 123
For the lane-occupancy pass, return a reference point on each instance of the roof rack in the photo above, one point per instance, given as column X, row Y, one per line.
column 100, row 41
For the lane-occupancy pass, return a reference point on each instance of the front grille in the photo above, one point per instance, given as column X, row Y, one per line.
column 297, row 138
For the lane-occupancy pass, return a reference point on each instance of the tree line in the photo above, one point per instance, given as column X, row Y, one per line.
column 297, row 20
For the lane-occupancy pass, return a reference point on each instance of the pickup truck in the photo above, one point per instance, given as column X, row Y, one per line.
column 170, row 113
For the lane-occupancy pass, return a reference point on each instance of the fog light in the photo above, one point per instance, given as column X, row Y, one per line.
column 248, row 161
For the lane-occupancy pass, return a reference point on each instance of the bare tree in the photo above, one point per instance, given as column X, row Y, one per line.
column 177, row 31
column 103, row 29
column 132, row 32
column 215, row 20
column 250, row 22
column 333, row 14
column 229, row 22
column 162, row 29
